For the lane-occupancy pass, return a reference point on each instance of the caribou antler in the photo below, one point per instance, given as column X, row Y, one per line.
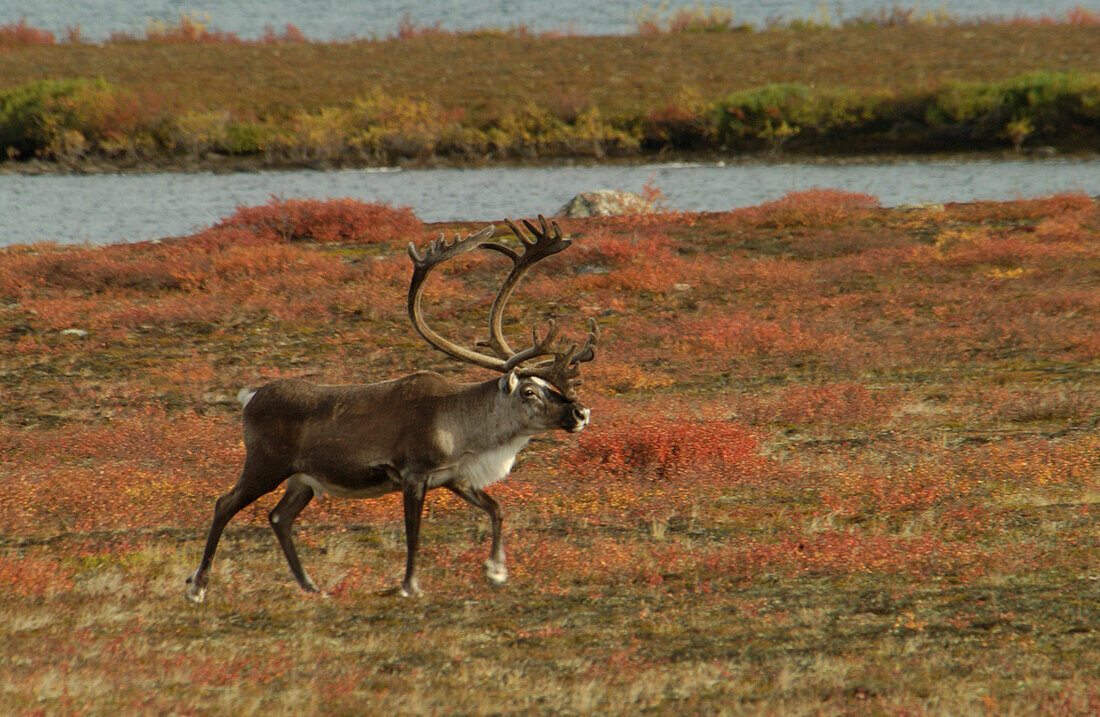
column 545, row 243
column 563, row 370
column 437, row 252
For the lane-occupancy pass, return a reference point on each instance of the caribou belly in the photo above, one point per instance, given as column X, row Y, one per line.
column 322, row 487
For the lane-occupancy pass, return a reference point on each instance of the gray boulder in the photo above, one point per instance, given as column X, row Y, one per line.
column 606, row 203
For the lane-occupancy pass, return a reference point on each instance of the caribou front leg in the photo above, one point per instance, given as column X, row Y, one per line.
column 413, row 492
column 495, row 567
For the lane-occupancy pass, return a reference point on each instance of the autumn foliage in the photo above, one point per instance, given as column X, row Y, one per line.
column 821, row 427
column 334, row 220
column 21, row 34
column 185, row 93
column 655, row 449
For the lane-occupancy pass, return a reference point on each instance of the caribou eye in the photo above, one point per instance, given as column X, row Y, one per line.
column 529, row 393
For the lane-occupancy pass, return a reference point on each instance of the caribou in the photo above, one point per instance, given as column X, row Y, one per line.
column 412, row 434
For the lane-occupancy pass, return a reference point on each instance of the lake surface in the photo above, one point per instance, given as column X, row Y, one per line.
column 329, row 20
column 132, row 207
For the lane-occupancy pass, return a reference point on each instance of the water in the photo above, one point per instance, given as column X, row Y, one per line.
column 116, row 208
column 328, row 19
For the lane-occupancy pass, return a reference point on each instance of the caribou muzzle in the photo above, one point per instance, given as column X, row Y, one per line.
column 575, row 418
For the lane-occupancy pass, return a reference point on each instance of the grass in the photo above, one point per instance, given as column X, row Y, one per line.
column 843, row 460
column 625, row 95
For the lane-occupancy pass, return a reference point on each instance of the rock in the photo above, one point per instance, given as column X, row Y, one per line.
column 930, row 207
column 592, row 269
column 79, row 333
column 606, row 203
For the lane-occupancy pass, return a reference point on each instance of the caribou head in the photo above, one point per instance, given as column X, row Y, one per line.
column 548, row 387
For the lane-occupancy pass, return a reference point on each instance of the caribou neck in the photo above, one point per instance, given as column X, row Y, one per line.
column 479, row 418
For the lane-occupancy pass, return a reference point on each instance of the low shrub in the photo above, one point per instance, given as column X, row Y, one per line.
column 653, row 21
column 399, row 126
column 775, row 113
column 533, row 131
column 812, row 207
column 838, row 404
column 188, row 28
column 661, row 448
column 332, row 220
column 1046, row 104
column 20, row 34
column 30, row 577
column 64, row 119
column 197, row 133
column 685, row 123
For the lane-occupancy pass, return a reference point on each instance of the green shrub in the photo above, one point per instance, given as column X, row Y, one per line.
column 57, row 118
column 774, row 113
column 753, row 113
column 246, row 137
column 27, row 114
column 1050, row 103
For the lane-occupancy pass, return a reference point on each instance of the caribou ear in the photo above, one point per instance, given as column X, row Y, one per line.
column 509, row 382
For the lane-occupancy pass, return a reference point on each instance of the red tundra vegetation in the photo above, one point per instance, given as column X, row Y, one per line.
column 843, row 458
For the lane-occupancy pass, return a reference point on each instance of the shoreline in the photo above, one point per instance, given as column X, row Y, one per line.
column 224, row 164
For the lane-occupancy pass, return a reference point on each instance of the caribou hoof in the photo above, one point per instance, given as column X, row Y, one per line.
column 195, row 593
column 410, row 590
column 315, row 592
column 497, row 572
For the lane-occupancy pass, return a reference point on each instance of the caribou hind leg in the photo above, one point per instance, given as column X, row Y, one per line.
column 282, row 517
column 251, row 485
column 413, row 493
column 495, row 567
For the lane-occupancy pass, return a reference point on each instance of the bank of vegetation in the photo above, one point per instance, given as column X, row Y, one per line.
column 183, row 93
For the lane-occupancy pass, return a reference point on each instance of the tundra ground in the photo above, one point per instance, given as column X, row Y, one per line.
column 843, row 459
